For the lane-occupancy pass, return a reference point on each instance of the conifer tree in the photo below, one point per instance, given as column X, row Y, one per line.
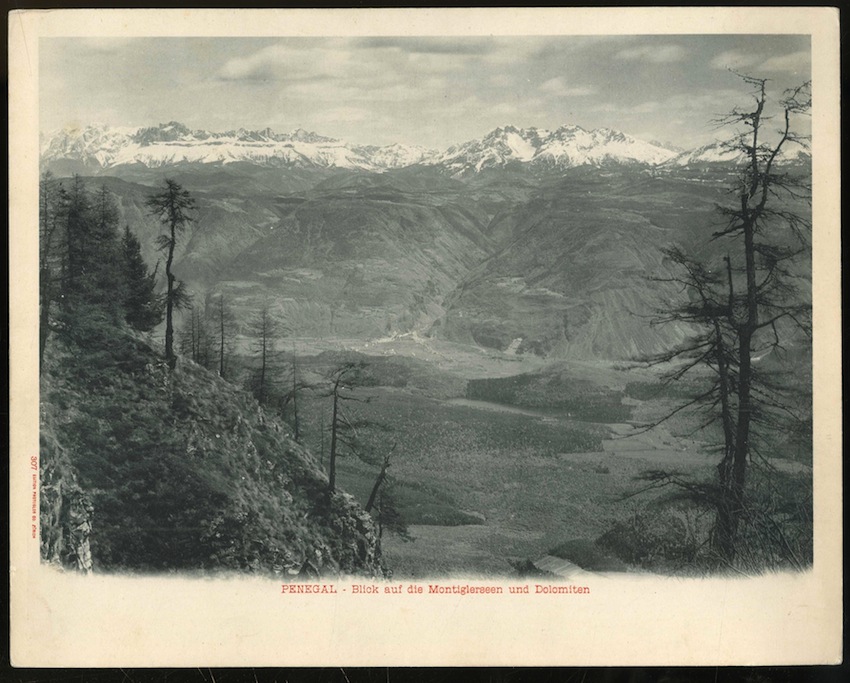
column 102, row 260
column 264, row 329
column 196, row 341
column 49, row 259
column 76, row 215
column 744, row 305
column 90, row 280
column 342, row 382
column 171, row 207
column 223, row 323
column 142, row 305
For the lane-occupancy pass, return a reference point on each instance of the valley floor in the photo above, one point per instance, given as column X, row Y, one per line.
column 487, row 486
column 532, row 504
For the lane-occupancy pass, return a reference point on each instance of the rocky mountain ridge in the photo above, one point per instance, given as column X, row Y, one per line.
column 566, row 147
column 719, row 153
column 100, row 147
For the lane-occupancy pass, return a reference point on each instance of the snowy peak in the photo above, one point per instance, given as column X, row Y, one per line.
column 164, row 132
column 722, row 153
column 498, row 148
column 174, row 143
column 99, row 147
column 397, row 155
column 565, row 147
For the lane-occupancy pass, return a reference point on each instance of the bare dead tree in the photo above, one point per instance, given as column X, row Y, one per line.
column 382, row 475
column 746, row 304
column 342, row 382
column 196, row 340
column 295, row 388
column 264, row 328
column 291, row 398
column 221, row 334
column 224, row 324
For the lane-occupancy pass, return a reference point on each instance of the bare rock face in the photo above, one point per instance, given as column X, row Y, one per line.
column 66, row 512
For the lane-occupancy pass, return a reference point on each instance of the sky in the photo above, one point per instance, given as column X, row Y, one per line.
column 428, row 91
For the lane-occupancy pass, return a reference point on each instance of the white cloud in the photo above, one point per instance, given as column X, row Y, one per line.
column 657, row 54
column 275, row 62
column 736, row 59
column 508, row 110
column 644, row 108
column 709, row 101
column 434, row 62
column 794, row 62
column 557, row 86
column 502, row 80
column 760, row 62
column 344, row 114
column 288, row 64
column 508, row 52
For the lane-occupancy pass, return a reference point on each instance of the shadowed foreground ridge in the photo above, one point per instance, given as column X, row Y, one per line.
column 146, row 470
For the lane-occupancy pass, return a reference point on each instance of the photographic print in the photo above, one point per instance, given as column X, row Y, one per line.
column 441, row 320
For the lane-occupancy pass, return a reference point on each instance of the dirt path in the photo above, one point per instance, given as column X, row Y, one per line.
column 502, row 408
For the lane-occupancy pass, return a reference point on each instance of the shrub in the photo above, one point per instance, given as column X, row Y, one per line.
column 654, row 539
column 589, row 555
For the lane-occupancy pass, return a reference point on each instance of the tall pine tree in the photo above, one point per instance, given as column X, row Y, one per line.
column 171, row 206
column 92, row 288
column 142, row 305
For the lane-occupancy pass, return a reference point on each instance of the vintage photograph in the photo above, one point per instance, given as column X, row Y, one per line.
column 421, row 306
column 480, row 315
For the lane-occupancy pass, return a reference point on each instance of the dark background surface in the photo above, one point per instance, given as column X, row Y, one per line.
column 825, row 674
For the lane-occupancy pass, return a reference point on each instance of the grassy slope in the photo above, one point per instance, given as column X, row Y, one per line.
column 185, row 471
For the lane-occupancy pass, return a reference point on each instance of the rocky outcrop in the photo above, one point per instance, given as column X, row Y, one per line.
column 66, row 512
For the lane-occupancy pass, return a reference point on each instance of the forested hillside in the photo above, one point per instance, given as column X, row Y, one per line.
column 148, row 468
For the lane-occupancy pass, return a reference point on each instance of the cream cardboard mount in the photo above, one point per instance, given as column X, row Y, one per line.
column 67, row 619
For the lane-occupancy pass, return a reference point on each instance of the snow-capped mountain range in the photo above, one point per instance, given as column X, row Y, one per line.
column 174, row 143
column 100, row 147
column 566, row 147
column 720, row 153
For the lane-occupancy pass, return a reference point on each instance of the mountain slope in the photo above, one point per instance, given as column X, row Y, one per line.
column 147, row 470
column 360, row 262
column 572, row 278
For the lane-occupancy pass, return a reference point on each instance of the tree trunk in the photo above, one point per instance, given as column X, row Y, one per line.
column 380, row 480
column 196, row 336
column 47, row 228
column 169, row 304
column 221, row 335
column 262, row 391
column 733, row 475
column 296, row 426
column 322, row 440
column 332, row 464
